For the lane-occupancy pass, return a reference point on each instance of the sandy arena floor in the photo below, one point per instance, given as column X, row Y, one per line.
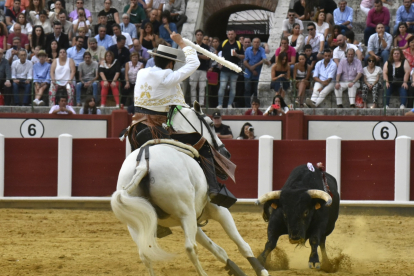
column 72, row 242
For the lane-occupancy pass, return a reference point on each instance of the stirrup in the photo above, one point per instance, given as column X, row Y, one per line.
column 223, row 197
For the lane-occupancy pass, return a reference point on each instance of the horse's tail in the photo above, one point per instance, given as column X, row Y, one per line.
column 139, row 215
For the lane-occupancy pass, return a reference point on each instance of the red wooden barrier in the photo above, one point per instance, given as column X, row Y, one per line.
column 31, row 167
column 245, row 154
column 287, row 155
column 367, row 170
column 412, row 172
column 96, row 164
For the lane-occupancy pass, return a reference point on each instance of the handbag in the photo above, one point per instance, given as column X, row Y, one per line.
column 212, row 78
column 359, row 102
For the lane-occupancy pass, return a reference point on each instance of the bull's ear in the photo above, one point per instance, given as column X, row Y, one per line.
column 317, row 206
column 274, row 206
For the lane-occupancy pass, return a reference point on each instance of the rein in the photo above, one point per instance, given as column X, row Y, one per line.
column 202, row 121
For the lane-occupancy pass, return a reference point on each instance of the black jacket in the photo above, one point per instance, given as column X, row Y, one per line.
column 63, row 40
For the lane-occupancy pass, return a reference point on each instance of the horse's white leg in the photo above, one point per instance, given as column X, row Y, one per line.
column 223, row 216
column 189, row 226
column 217, row 251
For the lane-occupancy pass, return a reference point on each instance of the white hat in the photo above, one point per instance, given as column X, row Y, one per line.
column 167, row 52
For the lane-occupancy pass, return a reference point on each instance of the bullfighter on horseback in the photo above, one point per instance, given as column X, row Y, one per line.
column 157, row 89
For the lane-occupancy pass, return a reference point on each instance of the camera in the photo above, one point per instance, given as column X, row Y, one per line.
column 251, row 129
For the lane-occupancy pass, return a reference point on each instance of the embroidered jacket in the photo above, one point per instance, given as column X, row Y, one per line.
column 156, row 89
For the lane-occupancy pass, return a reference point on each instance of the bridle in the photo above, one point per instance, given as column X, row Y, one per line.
column 201, row 117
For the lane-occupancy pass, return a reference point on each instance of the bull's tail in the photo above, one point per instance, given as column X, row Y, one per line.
column 141, row 217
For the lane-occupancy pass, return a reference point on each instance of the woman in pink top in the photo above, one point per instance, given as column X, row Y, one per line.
column 409, row 52
column 290, row 52
column 401, row 37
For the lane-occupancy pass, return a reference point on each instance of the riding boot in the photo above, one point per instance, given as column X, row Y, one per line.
column 218, row 193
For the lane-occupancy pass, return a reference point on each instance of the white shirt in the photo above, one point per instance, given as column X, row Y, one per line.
column 321, row 29
column 338, row 53
column 82, row 25
column 22, row 70
column 288, row 27
column 55, row 107
column 315, row 42
column 9, row 54
column 156, row 89
column 128, row 41
column 372, row 77
column 25, row 29
column 156, row 3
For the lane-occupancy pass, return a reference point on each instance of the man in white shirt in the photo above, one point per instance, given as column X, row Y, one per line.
column 343, row 46
column 22, row 74
column 62, row 107
column 116, row 28
column 379, row 45
column 323, row 75
column 288, row 23
column 316, row 40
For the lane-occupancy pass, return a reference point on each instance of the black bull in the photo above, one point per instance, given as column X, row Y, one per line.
column 303, row 210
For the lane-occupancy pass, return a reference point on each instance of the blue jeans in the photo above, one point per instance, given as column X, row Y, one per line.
column 384, row 55
column 26, row 99
column 280, row 82
column 224, row 78
column 402, row 91
column 370, row 31
column 250, row 87
column 79, row 86
column 344, row 28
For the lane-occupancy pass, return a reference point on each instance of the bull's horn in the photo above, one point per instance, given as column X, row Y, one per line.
column 268, row 196
column 322, row 195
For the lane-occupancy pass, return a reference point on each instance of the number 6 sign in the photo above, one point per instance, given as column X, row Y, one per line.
column 384, row 131
column 32, row 128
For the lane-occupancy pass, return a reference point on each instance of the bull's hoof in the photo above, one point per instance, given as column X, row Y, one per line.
column 314, row 265
column 233, row 269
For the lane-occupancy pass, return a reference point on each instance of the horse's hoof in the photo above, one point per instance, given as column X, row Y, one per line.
column 314, row 265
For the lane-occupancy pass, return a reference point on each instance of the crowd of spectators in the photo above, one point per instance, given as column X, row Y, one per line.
column 77, row 55
column 327, row 59
column 330, row 59
column 48, row 52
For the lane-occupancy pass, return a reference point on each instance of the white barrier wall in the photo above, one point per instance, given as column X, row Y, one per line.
column 64, row 188
column 359, row 130
column 52, row 128
column 265, row 181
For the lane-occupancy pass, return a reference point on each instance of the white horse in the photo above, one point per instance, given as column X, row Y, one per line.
column 177, row 186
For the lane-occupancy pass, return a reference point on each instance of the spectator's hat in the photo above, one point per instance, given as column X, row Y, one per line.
column 167, row 52
column 217, row 114
column 41, row 53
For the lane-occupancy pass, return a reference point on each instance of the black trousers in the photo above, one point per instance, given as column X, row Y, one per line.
column 7, row 92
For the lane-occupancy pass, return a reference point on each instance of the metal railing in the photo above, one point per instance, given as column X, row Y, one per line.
column 211, row 94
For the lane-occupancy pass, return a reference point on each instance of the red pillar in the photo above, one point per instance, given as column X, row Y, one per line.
column 294, row 125
column 119, row 121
